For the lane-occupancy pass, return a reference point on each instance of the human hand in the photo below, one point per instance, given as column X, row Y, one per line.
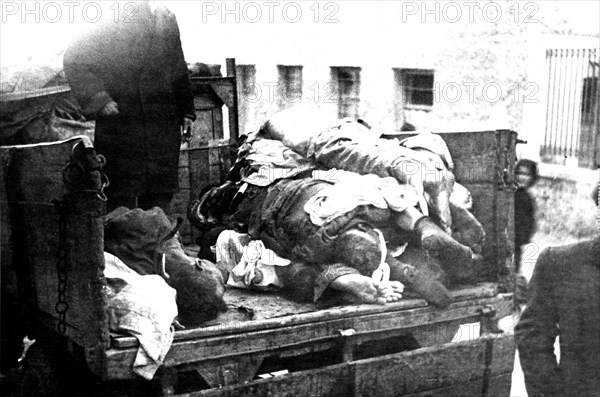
column 186, row 129
column 110, row 109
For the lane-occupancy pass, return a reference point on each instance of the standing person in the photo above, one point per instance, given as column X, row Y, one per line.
column 526, row 175
column 129, row 73
column 564, row 301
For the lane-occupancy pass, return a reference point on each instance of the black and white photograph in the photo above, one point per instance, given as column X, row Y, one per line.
column 300, row 198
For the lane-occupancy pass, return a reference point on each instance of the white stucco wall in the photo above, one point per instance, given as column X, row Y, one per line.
column 470, row 46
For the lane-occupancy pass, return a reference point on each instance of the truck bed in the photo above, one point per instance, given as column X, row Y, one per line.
column 265, row 333
column 262, row 333
column 334, row 348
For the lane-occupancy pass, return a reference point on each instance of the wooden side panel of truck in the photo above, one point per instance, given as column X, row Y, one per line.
column 52, row 239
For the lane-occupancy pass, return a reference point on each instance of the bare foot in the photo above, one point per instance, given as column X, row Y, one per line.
column 368, row 290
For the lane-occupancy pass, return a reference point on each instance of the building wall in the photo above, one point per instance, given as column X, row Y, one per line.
column 492, row 44
column 474, row 88
column 489, row 63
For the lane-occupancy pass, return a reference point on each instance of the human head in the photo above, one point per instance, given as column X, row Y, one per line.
column 526, row 173
column 212, row 206
column 360, row 248
column 200, row 284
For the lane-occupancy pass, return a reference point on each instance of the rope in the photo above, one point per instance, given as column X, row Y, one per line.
column 382, row 273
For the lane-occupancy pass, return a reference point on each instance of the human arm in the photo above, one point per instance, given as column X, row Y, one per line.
column 84, row 66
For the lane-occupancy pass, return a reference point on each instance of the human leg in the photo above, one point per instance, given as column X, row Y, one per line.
column 424, row 284
column 432, row 237
column 357, row 246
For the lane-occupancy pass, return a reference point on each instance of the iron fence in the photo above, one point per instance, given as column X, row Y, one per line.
column 573, row 108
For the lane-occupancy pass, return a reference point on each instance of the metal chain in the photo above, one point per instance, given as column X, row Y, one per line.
column 104, row 181
column 62, row 306
column 73, row 175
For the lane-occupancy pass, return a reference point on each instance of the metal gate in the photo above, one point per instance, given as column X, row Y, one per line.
column 573, row 108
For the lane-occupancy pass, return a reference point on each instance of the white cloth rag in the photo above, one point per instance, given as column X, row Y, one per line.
column 143, row 306
column 249, row 263
column 351, row 190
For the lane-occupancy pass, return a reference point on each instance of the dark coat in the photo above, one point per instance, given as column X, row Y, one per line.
column 524, row 216
column 524, row 222
column 139, row 64
column 564, row 301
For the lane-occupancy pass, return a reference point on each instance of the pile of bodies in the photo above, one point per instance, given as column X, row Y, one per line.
column 317, row 206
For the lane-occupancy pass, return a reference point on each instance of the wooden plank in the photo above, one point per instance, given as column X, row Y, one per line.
column 332, row 381
column 183, row 196
column 33, row 177
column 47, row 93
column 208, row 165
column 199, row 175
column 499, row 385
column 184, row 159
column 428, row 368
column 234, row 124
column 471, row 389
column 494, row 208
column 454, row 369
column 474, row 388
column 503, row 358
column 504, row 273
column 481, row 156
column 434, row 334
column 369, row 327
column 8, row 275
column 203, row 128
column 222, row 86
column 184, row 178
column 293, row 313
column 217, row 119
column 180, row 200
column 231, row 373
column 484, row 209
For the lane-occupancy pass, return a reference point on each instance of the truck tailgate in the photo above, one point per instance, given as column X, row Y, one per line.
column 260, row 326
